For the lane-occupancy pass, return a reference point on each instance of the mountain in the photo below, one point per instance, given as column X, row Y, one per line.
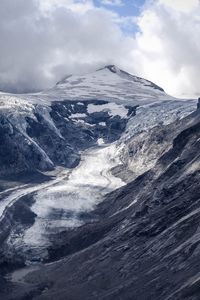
column 49, row 129
column 108, row 83
column 145, row 241
column 100, row 178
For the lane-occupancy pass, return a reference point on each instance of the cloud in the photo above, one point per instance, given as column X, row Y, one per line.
column 181, row 5
column 41, row 41
column 168, row 49
column 81, row 6
column 112, row 2
column 44, row 40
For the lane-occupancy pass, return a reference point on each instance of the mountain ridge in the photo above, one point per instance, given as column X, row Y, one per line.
column 108, row 83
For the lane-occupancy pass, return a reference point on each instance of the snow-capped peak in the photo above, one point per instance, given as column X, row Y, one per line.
column 111, row 68
column 109, row 83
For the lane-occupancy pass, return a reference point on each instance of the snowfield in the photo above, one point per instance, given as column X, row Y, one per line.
column 151, row 115
column 113, row 109
column 109, row 83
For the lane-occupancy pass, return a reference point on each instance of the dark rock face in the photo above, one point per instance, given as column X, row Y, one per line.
column 198, row 104
column 80, row 136
column 16, row 155
column 18, row 216
column 145, row 241
column 52, row 137
column 10, row 153
column 141, row 152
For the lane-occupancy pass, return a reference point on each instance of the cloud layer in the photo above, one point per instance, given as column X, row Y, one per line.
column 167, row 48
column 43, row 40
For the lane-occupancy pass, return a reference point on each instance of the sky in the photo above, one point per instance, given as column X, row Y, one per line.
column 44, row 40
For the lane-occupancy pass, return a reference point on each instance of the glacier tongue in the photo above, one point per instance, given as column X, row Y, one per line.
column 60, row 205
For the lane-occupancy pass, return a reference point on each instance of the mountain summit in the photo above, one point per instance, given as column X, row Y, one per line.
column 108, row 83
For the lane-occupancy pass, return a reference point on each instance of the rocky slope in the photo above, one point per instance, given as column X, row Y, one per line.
column 144, row 243
column 39, row 137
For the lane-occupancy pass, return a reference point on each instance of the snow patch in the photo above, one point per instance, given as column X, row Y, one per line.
column 77, row 116
column 100, row 141
column 113, row 109
column 102, row 124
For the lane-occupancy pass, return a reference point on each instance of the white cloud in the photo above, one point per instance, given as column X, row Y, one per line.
column 112, row 2
column 44, row 40
column 168, row 48
column 81, row 6
column 181, row 5
column 41, row 44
